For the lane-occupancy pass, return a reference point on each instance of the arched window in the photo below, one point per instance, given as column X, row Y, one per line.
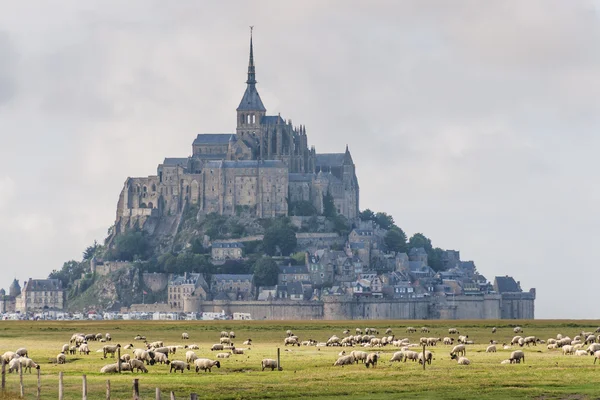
column 154, row 187
column 145, row 189
column 253, row 118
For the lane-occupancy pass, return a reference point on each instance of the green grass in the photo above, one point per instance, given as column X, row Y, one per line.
column 308, row 371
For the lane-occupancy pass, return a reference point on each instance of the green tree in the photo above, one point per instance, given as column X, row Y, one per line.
column 366, row 215
column 265, row 272
column 328, row 206
column 435, row 259
column 91, row 251
column 385, row 221
column 130, row 246
column 395, row 240
column 280, row 236
column 70, row 271
column 302, row 209
column 420, row 240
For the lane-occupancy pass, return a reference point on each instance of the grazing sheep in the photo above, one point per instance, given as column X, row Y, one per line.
column 515, row 340
column 114, row 368
column 185, row 336
column 225, row 340
column 161, row 358
column 491, row 349
column 9, row 355
column 593, row 348
column 372, row 359
column 359, row 355
column 552, row 346
column 388, row 331
column 126, row 358
column 27, row 364
column 84, row 349
column 516, row 357
column 190, row 356
column 494, row 330
column 411, row 355
column 424, row 329
column 269, row 363
column 99, row 336
column 223, row 355
column 14, row 364
column 344, row 360
column 459, row 349
column 530, row 340
column 596, row 356
column 164, row 350
column 206, row 364
column 137, row 365
column 568, row 350
column 172, row 349
column 398, row 356
column 110, row 349
column 22, row 352
column 108, row 337
column 460, row 360
column 145, row 355
column 448, row 341
column 65, row 348
column 518, row 329
column 216, row 347
column 453, row 331
column 72, row 350
column 291, row 340
column 232, row 334
column 290, row 333
column 411, row 329
column 177, row 365
column 61, row 358
column 428, row 357
column 462, row 339
column 193, row 347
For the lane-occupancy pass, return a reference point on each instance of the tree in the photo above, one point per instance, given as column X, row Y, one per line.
column 70, row 271
column 385, row 221
column 435, row 259
column 266, row 272
column 302, row 209
column 419, row 240
column 91, row 251
column 130, row 246
column 329, row 210
column 395, row 240
column 366, row 215
column 280, row 236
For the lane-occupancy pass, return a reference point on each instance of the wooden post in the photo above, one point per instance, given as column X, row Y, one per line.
column 21, row 380
column 108, row 389
column 60, row 386
column 136, row 389
column 157, row 397
column 278, row 359
column 193, row 396
column 84, row 388
column 39, row 388
column 424, row 357
column 119, row 359
column 3, row 375
column 173, row 396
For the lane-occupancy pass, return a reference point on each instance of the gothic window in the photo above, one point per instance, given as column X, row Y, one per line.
column 253, row 119
column 154, row 187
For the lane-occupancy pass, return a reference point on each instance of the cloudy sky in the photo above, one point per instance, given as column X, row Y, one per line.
column 473, row 122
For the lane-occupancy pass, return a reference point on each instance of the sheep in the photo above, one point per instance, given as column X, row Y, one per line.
column 161, row 358
column 269, row 363
column 460, row 360
column 359, row 355
column 22, row 352
column 84, row 349
column 590, row 339
column 516, row 357
column 248, row 342
column 72, row 350
column 225, row 340
column 232, row 334
column 138, row 337
column 424, row 329
column 290, row 333
column 505, row 362
column 164, row 350
column 185, row 336
column 145, row 355
column 216, row 347
column 521, row 342
column 388, row 331
column 65, row 348
column 372, row 359
column 223, row 355
column 193, row 347
column 224, row 334
column 137, row 365
column 411, row 329
column 190, row 356
column 177, row 365
column 206, row 364
column 398, row 356
column 108, row 337
column 518, row 329
column 515, row 340
column 110, row 349
column 411, row 355
column 568, row 350
column 453, row 331
column 237, row 351
column 292, row 341
column 428, row 357
column 28, row 363
column 14, row 365
column 90, row 336
column 462, row 339
column 459, row 349
column 594, row 347
column 494, row 330
column 596, row 356
column 433, row 341
column 9, row 355
column 491, row 349
column 61, row 358
column 552, row 346
column 99, row 336
column 113, row 368
column 344, row 360
column 125, row 358
column 172, row 349
column 530, row 340
column 581, row 353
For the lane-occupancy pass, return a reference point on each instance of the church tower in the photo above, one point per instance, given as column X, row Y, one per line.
column 251, row 109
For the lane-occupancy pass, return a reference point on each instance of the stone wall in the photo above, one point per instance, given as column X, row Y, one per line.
column 319, row 239
column 156, row 282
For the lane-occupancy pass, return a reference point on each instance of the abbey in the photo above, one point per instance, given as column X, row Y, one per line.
column 262, row 167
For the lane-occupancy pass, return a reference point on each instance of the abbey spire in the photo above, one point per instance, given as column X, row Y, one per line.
column 251, row 100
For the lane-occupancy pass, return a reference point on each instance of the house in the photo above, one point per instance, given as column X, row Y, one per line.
column 321, row 268
column 40, row 295
column 377, row 287
column 180, row 287
column 292, row 273
column 234, row 286
column 506, row 284
column 267, row 293
column 295, row 291
column 227, row 250
column 418, row 254
column 361, row 287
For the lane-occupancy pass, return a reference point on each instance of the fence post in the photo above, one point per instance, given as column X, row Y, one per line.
column 278, row 360
column 193, row 396
column 21, row 380
column 173, row 396
column 424, row 357
column 119, row 359
column 39, row 388
column 157, row 394
column 60, row 386
column 84, row 388
column 3, row 375
column 136, row 389
column 108, row 389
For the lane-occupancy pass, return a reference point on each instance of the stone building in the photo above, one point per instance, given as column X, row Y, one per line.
column 232, row 286
column 183, row 286
column 40, row 295
column 258, row 167
column 227, row 251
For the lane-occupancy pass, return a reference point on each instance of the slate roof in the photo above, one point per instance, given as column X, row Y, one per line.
column 251, row 100
column 36, row 285
column 330, row 160
column 504, row 284
column 272, row 119
column 227, row 245
column 212, row 138
column 182, row 162
column 232, row 277
column 293, row 269
column 246, row 164
column 295, row 288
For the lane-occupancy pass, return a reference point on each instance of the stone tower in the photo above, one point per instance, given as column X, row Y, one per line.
column 15, row 289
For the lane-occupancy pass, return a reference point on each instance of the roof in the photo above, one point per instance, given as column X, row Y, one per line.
column 227, row 245
column 246, row 164
column 212, row 138
column 293, row 269
column 188, row 278
column 182, row 162
column 232, row 277
column 272, row 119
column 295, row 288
column 504, row 284
column 37, row 285
column 251, row 100
column 363, row 232
column 330, row 159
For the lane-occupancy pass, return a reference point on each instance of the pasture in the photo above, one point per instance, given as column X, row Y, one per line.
column 308, row 371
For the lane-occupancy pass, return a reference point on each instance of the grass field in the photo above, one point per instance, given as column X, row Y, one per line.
column 308, row 372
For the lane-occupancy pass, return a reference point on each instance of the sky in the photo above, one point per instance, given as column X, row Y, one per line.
column 475, row 123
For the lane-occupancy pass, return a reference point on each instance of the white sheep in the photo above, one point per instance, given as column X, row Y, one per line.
column 185, row 336
column 223, row 355
column 61, row 358
column 22, row 352
column 190, row 356
column 581, row 353
column 372, row 359
column 83, row 348
column 359, row 355
column 248, row 342
column 193, row 347
column 398, row 356
column 125, row 357
column 137, row 365
column 460, row 360
column 516, row 357
column 107, row 337
column 594, row 347
column 161, row 358
column 65, row 348
column 505, row 362
column 232, row 334
column 225, row 340
column 110, row 349
column 344, row 360
column 9, row 355
column 448, row 341
column 459, row 349
column 114, row 368
column 517, row 329
column 491, row 349
column 14, row 365
column 411, row 355
column 453, row 331
column 568, row 350
column 269, row 363
column 428, row 357
column 206, row 364
column 217, row 347
column 177, row 365
column 72, row 350
column 237, row 351
column 596, row 356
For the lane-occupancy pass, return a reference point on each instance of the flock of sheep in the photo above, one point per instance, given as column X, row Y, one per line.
column 367, row 349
